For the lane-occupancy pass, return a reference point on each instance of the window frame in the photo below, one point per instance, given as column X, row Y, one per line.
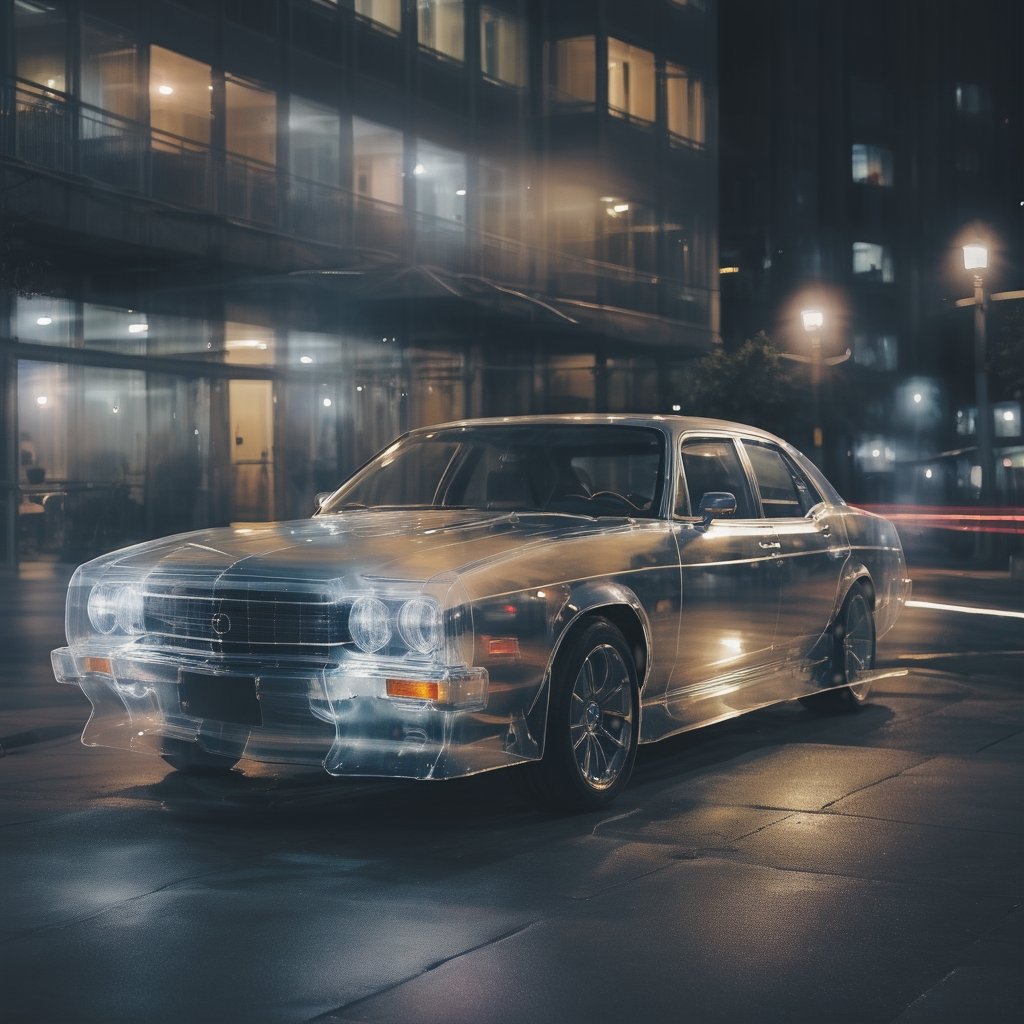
column 797, row 475
column 682, row 487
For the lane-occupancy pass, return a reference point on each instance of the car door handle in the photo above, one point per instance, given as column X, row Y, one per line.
column 769, row 545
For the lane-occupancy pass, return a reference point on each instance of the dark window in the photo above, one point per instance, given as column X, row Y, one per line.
column 712, row 464
column 784, row 490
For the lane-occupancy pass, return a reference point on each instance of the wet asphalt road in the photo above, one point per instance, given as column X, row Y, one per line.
column 780, row 867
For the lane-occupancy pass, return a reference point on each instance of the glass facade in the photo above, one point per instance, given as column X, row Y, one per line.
column 314, row 141
column 392, row 268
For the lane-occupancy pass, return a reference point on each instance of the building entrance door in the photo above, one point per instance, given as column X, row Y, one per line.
column 251, row 410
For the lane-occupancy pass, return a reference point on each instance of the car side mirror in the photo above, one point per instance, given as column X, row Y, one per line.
column 716, row 505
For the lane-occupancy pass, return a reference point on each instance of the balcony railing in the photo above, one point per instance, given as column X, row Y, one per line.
column 52, row 131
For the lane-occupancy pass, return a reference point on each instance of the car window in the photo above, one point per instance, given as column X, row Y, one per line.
column 712, row 464
column 785, row 492
column 581, row 469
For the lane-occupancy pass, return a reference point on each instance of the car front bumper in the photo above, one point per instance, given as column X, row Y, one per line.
column 339, row 716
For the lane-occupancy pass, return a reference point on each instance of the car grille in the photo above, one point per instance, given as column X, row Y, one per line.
column 245, row 620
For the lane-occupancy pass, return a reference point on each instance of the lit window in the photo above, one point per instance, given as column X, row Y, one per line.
column 873, row 261
column 572, row 217
column 872, row 165
column 179, row 95
column 498, row 202
column 40, row 35
column 575, row 69
column 251, row 121
column 630, row 239
column 43, row 320
column 108, row 74
column 376, row 162
column 970, row 98
column 502, row 49
column 440, row 183
column 630, row 81
column 685, row 104
column 440, row 26
column 384, row 12
column 1007, row 419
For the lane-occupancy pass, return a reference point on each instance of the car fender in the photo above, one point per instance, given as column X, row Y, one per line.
column 585, row 599
column 854, row 572
column 593, row 596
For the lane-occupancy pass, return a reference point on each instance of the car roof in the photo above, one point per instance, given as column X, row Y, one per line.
column 669, row 424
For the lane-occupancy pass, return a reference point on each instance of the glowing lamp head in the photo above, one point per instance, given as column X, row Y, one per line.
column 813, row 319
column 975, row 256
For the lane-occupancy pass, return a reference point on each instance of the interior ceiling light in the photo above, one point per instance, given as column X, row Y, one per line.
column 306, row 359
column 166, row 90
column 138, row 328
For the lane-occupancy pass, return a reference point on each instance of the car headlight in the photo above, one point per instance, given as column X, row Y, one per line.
column 115, row 607
column 369, row 622
column 419, row 625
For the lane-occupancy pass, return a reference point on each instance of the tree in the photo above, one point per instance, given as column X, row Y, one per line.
column 752, row 384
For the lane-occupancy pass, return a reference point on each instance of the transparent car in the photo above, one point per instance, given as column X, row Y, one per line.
column 544, row 593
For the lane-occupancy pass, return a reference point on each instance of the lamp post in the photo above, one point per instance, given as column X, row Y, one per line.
column 975, row 261
column 813, row 319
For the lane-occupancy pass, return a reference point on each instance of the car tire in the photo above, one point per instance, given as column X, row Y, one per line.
column 593, row 721
column 190, row 758
column 853, row 651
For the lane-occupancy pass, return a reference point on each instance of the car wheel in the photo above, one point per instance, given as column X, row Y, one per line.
column 593, row 721
column 853, row 652
column 188, row 757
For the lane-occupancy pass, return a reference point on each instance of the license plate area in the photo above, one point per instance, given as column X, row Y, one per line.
column 230, row 699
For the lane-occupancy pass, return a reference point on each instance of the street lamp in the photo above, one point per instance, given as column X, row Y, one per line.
column 976, row 260
column 813, row 319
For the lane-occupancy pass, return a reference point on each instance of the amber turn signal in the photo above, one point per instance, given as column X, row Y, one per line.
column 413, row 688
column 100, row 665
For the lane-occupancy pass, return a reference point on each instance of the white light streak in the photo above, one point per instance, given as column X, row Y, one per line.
column 965, row 609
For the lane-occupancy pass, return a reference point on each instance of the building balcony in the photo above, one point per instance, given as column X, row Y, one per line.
column 77, row 144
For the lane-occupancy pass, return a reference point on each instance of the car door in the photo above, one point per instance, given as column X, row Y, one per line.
column 730, row 587
column 813, row 547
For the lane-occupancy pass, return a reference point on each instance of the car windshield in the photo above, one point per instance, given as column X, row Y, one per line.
column 576, row 469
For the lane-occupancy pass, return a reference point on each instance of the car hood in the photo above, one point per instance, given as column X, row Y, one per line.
column 371, row 544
